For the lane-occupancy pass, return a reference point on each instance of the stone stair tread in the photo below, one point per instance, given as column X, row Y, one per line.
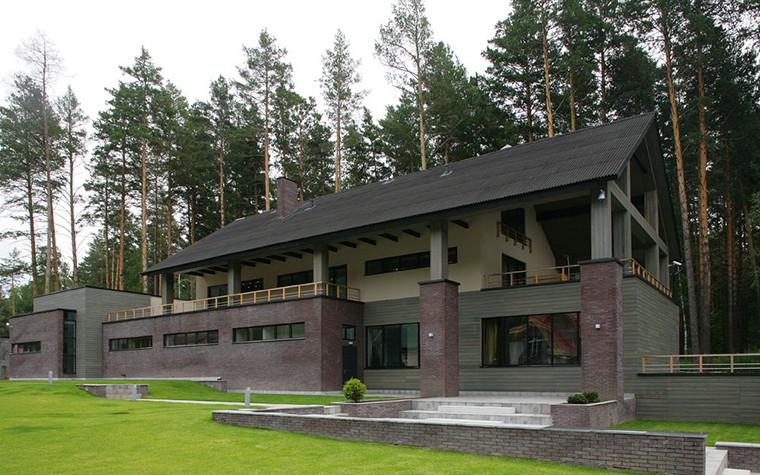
column 715, row 461
column 736, row 471
column 516, row 419
column 477, row 409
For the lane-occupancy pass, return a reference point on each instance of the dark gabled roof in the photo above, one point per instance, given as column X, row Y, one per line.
column 593, row 155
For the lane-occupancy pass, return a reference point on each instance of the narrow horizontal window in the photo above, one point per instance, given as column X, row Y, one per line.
column 27, row 347
column 286, row 331
column 134, row 343
column 417, row 260
column 210, row 337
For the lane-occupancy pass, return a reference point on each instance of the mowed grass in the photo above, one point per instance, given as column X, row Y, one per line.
column 60, row 429
column 717, row 431
column 194, row 391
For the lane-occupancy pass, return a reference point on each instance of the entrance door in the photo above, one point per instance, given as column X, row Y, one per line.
column 350, row 363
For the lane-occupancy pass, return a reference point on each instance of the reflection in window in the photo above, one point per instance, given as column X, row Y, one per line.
column 536, row 340
column 287, row 331
column 393, row 346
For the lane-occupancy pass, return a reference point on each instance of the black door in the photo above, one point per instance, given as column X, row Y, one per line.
column 350, row 363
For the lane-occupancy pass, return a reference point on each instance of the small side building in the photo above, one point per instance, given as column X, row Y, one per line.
column 5, row 358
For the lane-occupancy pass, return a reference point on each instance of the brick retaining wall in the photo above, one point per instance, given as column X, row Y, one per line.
column 594, row 416
column 380, row 409
column 742, row 456
column 665, row 453
column 115, row 391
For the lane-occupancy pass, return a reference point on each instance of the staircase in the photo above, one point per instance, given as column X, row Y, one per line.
column 716, row 461
column 524, row 414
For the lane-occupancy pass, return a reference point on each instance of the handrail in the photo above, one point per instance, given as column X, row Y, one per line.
column 641, row 271
column 705, row 363
column 278, row 294
column 533, row 276
column 515, row 235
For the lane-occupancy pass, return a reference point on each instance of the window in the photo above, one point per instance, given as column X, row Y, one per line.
column 535, row 340
column 134, row 343
column 418, row 260
column 287, row 331
column 69, row 342
column 251, row 285
column 217, row 290
column 515, row 270
column 393, row 346
column 210, row 337
column 337, row 275
column 28, row 347
column 515, row 219
column 348, row 332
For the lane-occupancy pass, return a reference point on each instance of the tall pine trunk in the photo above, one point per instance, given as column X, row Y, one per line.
column 221, row 182
column 144, row 208
column 32, row 235
column 337, row 151
column 72, row 211
column 751, row 244
column 547, row 79
column 572, row 100
column 120, row 268
column 704, row 229
column 730, row 257
column 266, row 147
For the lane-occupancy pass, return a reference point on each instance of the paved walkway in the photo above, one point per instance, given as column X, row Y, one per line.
column 222, row 403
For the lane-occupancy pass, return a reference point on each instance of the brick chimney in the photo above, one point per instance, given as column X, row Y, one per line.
column 287, row 196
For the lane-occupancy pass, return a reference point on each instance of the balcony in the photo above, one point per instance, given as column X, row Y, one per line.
column 279, row 294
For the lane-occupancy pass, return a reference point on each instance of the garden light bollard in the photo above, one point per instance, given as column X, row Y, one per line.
column 247, row 397
column 50, row 378
column 134, row 392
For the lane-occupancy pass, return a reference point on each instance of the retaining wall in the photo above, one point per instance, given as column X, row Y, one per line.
column 742, row 456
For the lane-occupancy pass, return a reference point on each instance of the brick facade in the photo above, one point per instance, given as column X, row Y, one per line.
column 742, row 456
column 594, row 416
column 665, row 453
column 47, row 328
column 601, row 328
column 313, row 363
column 439, row 353
column 386, row 409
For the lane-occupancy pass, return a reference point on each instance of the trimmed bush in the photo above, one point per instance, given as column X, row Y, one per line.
column 591, row 396
column 354, row 390
column 577, row 399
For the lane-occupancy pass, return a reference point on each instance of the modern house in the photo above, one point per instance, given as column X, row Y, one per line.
column 540, row 267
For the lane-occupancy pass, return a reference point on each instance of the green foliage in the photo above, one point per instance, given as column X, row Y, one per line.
column 577, row 399
column 591, row 396
column 354, row 390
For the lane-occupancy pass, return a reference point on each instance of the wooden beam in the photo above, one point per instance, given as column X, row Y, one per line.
column 562, row 213
column 277, row 258
column 368, row 240
column 262, row 260
column 412, row 232
column 195, row 273
column 248, row 263
column 350, row 244
column 207, row 271
column 461, row 223
column 332, row 248
column 293, row 254
column 637, row 217
column 307, row 250
column 219, row 269
column 390, row 237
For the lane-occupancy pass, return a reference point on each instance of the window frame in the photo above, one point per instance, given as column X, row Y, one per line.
column 413, row 261
column 263, row 329
column 195, row 338
column 384, row 345
column 344, row 332
column 135, row 338
column 25, row 344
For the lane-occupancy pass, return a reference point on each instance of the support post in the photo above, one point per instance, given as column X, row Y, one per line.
column 321, row 262
column 247, row 397
column 439, row 250
column 233, row 277
column 601, row 223
column 621, row 237
column 601, row 328
column 439, row 338
column 167, row 289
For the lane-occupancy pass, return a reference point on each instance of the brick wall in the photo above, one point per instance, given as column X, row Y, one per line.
column 742, row 456
column 219, row 385
column 47, row 328
column 5, row 357
column 665, row 453
column 439, row 354
column 595, row 416
column 383, row 409
column 310, row 364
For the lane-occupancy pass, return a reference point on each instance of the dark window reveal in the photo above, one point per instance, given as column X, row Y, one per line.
column 348, row 332
column 393, row 346
column 535, row 340
column 417, row 260
column 69, row 342
column 286, row 331
column 27, row 347
column 515, row 219
column 134, row 343
column 210, row 337
column 337, row 275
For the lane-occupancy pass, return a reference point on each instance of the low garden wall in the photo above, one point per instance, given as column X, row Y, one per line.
column 659, row 452
column 219, row 385
column 594, row 416
column 742, row 456
column 377, row 409
column 115, row 391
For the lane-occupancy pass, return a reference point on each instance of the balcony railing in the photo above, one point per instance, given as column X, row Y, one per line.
column 516, row 236
column 535, row 276
column 697, row 364
column 630, row 266
column 279, row 294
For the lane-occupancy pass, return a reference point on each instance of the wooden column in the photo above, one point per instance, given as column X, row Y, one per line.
column 233, row 278
column 601, row 223
column 621, row 238
column 167, row 289
column 439, row 250
column 321, row 262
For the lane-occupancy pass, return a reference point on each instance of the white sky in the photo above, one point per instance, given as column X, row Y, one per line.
column 196, row 41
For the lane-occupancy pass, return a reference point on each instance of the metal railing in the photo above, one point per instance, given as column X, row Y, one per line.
column 631, row 266
column 534, row 276
column 515, row 235
column 278, row 294
column 696, row 364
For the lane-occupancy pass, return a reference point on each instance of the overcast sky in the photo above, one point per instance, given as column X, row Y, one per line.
column 196, row 41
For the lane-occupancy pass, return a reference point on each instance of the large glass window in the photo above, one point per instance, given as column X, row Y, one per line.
column 534, row 340
column 210, row 337
column 287, row 331
column 393, row 346
column 27, row 347
column 417, row 260
column 69, row 342
column 134, row 343
column 336, row 275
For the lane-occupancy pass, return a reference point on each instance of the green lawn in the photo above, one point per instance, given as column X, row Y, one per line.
column 61, row 429
column 717, row 431
column 190, row 390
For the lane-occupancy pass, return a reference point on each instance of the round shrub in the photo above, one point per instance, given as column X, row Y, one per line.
column 354, row 390
column 591, row 396
column 577, row 399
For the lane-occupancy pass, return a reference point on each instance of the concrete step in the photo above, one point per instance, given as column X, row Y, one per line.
column 483, row 423
column 535, row 419
column 477, row 409
column 519, row 407
column 332, row 409
column 736, row 471
column 716, row 461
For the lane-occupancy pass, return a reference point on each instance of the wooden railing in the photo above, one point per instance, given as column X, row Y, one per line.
column 696, row 364
column 631, row 266
column 278, row 294
column 534, row 276
column 516, row 236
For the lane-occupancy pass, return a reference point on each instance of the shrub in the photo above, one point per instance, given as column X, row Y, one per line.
column 577, row 399
column 591, row 396
column 354, row 390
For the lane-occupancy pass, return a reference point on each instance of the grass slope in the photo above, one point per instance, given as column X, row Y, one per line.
column 62, row 430
column 717, row 431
